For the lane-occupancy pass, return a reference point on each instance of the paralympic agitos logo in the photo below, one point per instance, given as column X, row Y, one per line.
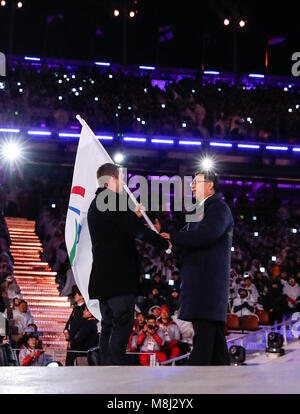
column 296, row 66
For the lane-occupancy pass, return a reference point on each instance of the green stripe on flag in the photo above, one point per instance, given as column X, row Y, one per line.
column 73, row 251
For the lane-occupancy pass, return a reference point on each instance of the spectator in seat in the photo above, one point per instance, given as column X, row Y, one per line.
column 137, row 328
column 291, row 291
column 172, row 301
column 31, row 329
column 74, row 323
column 158, row 283
column 252, row 291
column 22, row 318
column 243, row 305
column 171, row 333
column 9, row 290
column 30, row 355
column 261, row 283
column 155, row 311
column 177, row 281
column 150, row 340
column 275, row 303
column 86, row 336
column 186, row 333
column 154, row 299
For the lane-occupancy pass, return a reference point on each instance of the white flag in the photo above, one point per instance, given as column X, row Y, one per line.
column 90, row 156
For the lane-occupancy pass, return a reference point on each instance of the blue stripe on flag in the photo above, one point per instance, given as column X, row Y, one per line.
column 79, row 230
column 75, row 210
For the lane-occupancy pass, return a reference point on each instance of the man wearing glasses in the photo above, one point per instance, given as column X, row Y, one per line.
column 205, row 272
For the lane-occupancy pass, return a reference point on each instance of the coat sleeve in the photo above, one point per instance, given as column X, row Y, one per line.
column 81, row 335
column 212, row 227
column 131, row 224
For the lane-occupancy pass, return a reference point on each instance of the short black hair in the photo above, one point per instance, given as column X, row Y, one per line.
column 210, row 176
column 108, row 169
column 150, row 317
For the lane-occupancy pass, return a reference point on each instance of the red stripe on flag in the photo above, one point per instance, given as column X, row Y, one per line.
column 78, row 190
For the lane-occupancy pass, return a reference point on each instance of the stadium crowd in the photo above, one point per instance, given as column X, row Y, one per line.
column 42, row 96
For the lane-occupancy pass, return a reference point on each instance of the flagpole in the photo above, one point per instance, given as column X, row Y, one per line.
column 83, row 123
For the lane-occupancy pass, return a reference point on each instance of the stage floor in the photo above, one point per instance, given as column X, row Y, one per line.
column 262, row 375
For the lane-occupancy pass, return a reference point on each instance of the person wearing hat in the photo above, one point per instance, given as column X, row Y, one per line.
column 206, row 245
column 154, row 310
column 171, row 333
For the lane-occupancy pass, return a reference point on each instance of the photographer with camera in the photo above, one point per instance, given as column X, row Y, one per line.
column 151, row 339
column 138, row 326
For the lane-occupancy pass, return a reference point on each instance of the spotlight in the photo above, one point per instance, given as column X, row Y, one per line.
column 131, row 14
column 116, row 13
column 242, row 23
column 3, row 3
column 20, row 5
column 237, row 355
column 118, row 158
column 226, row 22
column 54, row 364
column 275, row 342
column 207, row 164
column 11, row 151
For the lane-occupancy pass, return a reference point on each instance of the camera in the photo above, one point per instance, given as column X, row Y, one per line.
column 151, row 327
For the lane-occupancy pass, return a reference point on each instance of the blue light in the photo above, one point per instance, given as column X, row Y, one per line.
column 211, row 72
column 9, row 130
column 102, row 63
column 296, row 149
column 162, row 141
column 220, row 144
column 105, row 137
column 256, row 75
column 248, row 146
column 134, row 139
column 32, row 58
column 147, row 67
column 48, row 133
column 272, row 147
column 183, row 142
column 68, row 134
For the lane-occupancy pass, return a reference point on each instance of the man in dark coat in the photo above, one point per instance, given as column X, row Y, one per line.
column 114, row 278
column 205, row 272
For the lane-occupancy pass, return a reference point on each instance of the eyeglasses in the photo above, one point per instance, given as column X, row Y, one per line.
column 198, row 182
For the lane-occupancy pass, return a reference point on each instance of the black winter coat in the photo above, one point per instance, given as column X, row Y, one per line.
column 115, row 269
column 206, row 263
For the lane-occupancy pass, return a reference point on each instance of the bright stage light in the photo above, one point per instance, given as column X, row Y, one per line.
column 116, row 13
column 226, row 22
column 242, row 23
column 132, row 14
column 11, row 151
column 3, row 3
column 20, row 4
column 207, row 164
column 118, row 158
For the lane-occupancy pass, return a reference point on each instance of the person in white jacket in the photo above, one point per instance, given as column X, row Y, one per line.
column 22, row 318
column 291, row 290
column 243, row 304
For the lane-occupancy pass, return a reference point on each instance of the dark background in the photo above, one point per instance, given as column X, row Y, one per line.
column 199, row 34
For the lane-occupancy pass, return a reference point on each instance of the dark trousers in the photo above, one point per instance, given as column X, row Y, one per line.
column 209, row 344
column 116, row 326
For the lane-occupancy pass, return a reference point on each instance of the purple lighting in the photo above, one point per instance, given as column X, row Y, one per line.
column 162, row 141
column 147, row 67
column 102, row 63
column 105, row 137
column 182, row 142
column 9, row 130
column 48, row 133
column 220, row 144
column 272, row 147
column 134, row 139
column 256, row 75
column 211, row 72
column 31, row 58
column 68, row 134
column 248, row 146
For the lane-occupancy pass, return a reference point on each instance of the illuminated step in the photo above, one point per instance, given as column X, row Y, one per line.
column 39, row 297
column 42, row 304
column 38, row 291
column 35, row 272
column 35, row 264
